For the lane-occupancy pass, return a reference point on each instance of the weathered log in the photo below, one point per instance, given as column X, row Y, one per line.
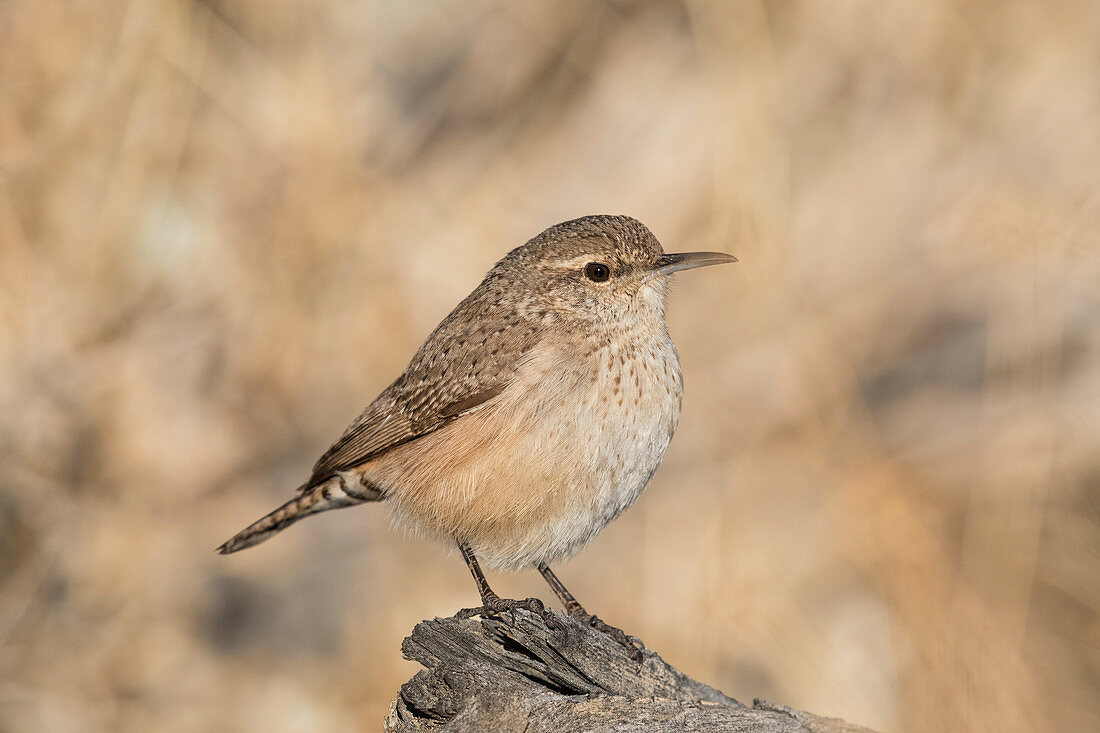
column 515, row 673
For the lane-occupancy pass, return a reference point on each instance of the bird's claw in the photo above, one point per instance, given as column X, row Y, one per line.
column 633, row 644
column 495, row 606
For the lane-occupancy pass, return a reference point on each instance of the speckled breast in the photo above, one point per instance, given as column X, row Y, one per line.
column 541, row 469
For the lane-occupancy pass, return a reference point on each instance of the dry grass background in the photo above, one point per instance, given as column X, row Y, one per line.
column 225, row 226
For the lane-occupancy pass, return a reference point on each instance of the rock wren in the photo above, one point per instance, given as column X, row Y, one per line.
column 532, row 416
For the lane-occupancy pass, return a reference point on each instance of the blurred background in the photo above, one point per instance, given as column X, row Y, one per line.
column 226, row 226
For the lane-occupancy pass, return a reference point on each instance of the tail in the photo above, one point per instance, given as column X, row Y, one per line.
column 332, row 494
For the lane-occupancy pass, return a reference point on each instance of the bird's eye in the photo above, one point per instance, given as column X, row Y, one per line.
column 597, row 272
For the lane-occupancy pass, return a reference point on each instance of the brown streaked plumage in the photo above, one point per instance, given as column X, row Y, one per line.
column 532, row 416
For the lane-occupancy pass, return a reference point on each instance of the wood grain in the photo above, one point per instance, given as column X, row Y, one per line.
column 516, row 673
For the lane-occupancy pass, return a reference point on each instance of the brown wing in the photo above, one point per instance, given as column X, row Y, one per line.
column 470, row 358
column 379, row 427
column 383, row 426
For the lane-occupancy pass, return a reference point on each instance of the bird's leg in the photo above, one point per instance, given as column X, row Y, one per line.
column 488, row 597
column 576, row 610
column 572, row 607
column 491, row 603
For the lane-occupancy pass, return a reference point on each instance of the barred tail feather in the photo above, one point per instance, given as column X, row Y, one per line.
column 331, row 494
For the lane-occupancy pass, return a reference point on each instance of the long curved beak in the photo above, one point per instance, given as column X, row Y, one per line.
column 669, row 264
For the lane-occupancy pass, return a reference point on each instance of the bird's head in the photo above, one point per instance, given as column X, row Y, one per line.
column 607, row 270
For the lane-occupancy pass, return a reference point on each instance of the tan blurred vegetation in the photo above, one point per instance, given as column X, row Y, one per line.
column 225, row 226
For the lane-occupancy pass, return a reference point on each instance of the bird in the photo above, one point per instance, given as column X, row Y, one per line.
column 533, row 415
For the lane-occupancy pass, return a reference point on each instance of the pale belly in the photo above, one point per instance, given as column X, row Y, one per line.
column 534, row 475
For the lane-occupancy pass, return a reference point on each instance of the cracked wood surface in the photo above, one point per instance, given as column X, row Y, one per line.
column 516, row 673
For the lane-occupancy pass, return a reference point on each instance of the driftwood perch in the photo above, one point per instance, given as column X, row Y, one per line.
column 514, row 673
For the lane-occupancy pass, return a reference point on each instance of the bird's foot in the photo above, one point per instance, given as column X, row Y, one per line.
column 633, row 644
column 494, row 605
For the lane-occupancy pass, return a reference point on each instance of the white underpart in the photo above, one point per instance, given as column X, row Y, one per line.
column 535, row 474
